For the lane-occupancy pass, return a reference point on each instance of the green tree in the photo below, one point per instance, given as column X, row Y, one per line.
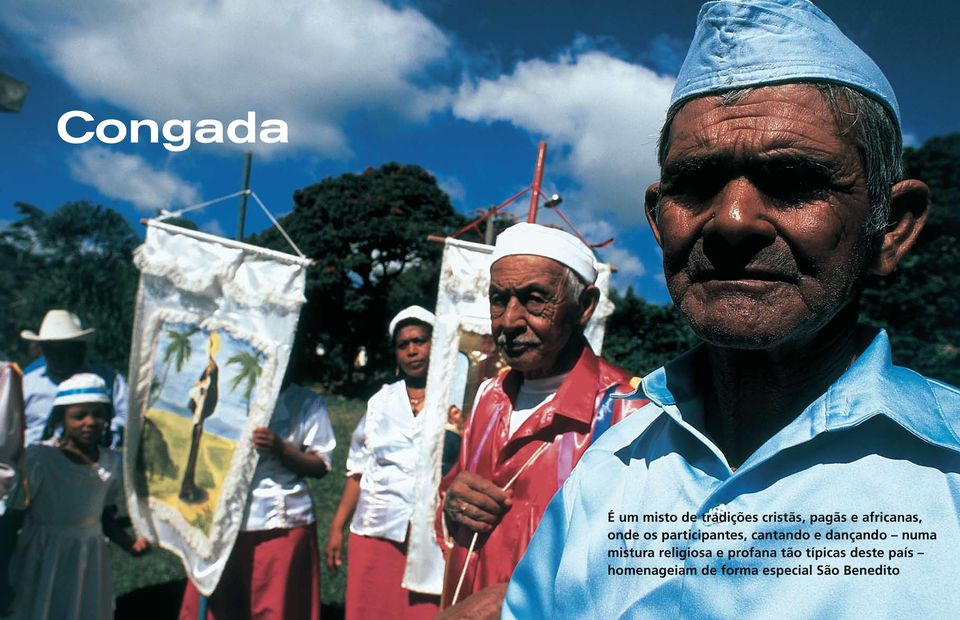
column 641, row 337
column 917, row 304
column 76, row 257
column 368, row 235
column 248, row 374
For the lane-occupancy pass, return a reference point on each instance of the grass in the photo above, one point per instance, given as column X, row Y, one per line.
column 159, row 566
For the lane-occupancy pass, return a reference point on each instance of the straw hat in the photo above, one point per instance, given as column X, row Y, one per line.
column 58, row 325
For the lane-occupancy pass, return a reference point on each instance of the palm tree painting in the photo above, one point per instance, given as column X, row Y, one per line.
column 177, row 353
column 248, row 373
column 178, row 349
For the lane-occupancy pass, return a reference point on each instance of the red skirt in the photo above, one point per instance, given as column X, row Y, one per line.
column 374, row 572
column 270, row 574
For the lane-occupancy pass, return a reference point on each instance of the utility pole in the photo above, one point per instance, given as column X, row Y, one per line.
column 247, row 161
column 537, row 180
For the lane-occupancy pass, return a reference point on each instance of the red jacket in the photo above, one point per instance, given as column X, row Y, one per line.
column 569, row 422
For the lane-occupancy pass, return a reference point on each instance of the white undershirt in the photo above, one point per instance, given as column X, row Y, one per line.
column 533, row 394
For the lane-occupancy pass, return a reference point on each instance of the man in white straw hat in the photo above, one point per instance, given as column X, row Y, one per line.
column 63, row 343
column 786, row 467
column 531, row 424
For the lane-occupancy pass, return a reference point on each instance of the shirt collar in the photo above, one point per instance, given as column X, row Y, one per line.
column 872, row 386
column 576, row 398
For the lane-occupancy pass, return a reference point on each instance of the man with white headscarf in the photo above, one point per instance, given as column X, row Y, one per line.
column 785, row 468
column 530, row 425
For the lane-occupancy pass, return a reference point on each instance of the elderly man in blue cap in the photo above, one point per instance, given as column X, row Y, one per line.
column 785, row 468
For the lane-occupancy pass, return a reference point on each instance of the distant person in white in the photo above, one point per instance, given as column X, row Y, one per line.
column 378, row 494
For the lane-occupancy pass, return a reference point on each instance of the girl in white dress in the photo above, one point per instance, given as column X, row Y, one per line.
column 69, row 495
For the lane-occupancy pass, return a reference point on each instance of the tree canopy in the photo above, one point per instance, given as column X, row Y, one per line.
column 641, row 336
column 77, row 257
column 916, row 304
column 368, row 234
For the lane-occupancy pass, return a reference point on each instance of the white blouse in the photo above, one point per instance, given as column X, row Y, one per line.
column 384, row 451
column 279, row 498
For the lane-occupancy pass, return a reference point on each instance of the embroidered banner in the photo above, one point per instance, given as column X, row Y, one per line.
column 11, row 426
column 213, row 328
column 463, row 354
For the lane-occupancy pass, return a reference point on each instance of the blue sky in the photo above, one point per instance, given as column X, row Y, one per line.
column 465, row 89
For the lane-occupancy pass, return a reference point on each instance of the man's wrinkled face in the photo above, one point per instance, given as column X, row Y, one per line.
column 532, row 315
column 762, row 215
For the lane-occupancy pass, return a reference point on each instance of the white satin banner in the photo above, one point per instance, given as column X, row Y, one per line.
column 11, row 426
column 213, row 328
column 461, row 356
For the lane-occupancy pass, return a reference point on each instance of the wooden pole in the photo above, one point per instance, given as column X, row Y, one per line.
column 247, row 160
column 537, row 180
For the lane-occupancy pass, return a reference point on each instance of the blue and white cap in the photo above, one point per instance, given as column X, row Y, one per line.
column 83, row 387
column 743, row 43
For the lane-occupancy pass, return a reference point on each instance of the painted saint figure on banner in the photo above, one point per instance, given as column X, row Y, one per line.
column 195, row 414
column 203, row 402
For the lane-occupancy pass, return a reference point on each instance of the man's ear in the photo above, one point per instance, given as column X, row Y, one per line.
column 909, row 207
column 650, row 200
column 588, row 302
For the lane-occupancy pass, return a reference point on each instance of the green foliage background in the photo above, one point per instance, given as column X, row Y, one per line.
column 368, row 233
column 918, row 303
column 76, row 257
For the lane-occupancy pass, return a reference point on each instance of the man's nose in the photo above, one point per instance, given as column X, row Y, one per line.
column 740, row 213
column 514, row 315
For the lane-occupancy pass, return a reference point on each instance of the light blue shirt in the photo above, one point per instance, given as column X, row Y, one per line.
column 882, row 439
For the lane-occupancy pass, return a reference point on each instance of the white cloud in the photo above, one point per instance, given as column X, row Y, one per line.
column 131, row 178
column 601, row 113
column 628, row 266
column 453, row 188
column 307, row 62
column 214, row 227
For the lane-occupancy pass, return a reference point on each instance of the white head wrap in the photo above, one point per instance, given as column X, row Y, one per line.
column 413, row 312
column 537, row 240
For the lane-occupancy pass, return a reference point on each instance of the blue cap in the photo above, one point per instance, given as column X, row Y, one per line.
column 739, row 44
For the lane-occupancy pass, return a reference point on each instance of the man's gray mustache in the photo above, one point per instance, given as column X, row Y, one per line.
column 503, row 341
